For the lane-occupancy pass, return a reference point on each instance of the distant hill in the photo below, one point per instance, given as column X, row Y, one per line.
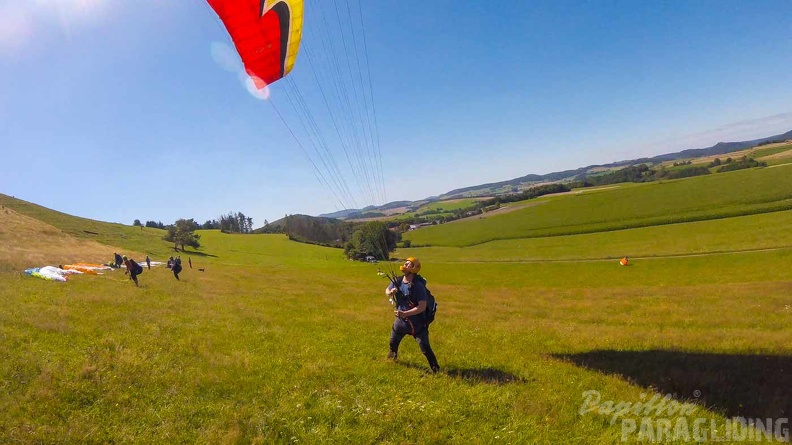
column 317, row 230
column 348, row 212
column 513, row 185
column 717, row 149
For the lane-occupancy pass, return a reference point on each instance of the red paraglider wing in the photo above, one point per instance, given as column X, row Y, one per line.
column 266, row 34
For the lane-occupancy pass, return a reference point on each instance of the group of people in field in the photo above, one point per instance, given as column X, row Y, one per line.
column 408, row 292
column 133, row 269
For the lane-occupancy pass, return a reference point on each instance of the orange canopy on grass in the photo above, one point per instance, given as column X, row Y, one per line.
column 88, row 268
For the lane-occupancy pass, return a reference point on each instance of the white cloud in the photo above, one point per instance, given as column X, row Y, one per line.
column 734, row 132
column 752, row 128
column 22, row 21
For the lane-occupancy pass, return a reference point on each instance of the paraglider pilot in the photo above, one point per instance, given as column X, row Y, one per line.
column 410, row 296
column 133, row 269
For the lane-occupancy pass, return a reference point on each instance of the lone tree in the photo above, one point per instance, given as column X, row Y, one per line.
column 371, row 239
column 137, row 223
column 182, row 233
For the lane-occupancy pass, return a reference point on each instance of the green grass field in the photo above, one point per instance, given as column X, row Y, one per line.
column 448, row 206
column 436, row 209
column 743, row 233
column 280, row 342
column 722, row 195
column 771, row 150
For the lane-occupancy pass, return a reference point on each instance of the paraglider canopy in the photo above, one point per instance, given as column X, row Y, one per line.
column 266, row 34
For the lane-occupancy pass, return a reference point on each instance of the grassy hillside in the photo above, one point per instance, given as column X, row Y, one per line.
column 281, row 342
column 626, row 206
column 769, row 150
column 146, row 240
column 448, row 206
column 26, row 242
column 744, row 233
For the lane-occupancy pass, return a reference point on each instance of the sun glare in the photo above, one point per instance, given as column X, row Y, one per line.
column 22, row 21
column 251, row 85
column 71, row 12
column 225, row 57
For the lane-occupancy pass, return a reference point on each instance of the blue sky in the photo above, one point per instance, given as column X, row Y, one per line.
column 132, row 110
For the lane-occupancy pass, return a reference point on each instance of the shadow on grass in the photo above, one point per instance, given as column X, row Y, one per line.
column 472, row 375
column 193, row 253
column 751, row 386
column 484, row 375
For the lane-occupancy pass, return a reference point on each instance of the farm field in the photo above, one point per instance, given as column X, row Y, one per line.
column 764, row 231
column 281, row 342
column 436, row 209
column 448, row 206
column 721, row 195
column 770, row 150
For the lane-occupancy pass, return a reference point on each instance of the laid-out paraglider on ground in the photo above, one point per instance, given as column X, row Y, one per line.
column 61, row 272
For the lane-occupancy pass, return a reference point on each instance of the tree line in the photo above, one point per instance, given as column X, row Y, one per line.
column 377, row 239
column 231, row 223
column 358, row 239
column 182, row 232
column 644, row 173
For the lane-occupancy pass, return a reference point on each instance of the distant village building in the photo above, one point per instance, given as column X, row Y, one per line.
column 416, row 226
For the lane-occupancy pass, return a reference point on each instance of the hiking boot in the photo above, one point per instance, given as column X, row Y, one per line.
column 392, row 355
